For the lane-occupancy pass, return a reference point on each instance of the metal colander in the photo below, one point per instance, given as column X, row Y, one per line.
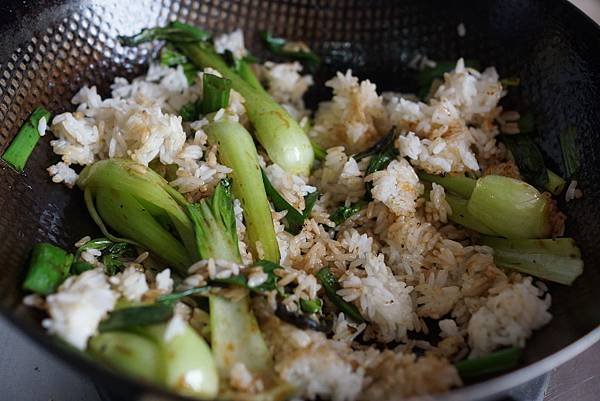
column 49, row 49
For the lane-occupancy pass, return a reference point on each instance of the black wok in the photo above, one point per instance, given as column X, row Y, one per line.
column 48, row 49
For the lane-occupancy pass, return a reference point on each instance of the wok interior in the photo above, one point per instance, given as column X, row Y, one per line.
column 48, row 53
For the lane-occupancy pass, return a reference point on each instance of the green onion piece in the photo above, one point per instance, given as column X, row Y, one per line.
column 293, row 50
column 126, row 318
column 555, row 184
column 191, row 111
column 236, row 150
column 238, row 280
column 509, row 207
column 170, row 57
column 459, row 184
column 343, row 213
column 320, row 153
column 331, row 286
column 461, row 215
column 557, row 260
column 496, row 362
column 129, row 353
column 244, row 69
column 214, row 224
column 528, row 158
column 510, row 81
column 174, row 32
column 172, row 298
column 294, row 220
column 215, row 93
column 527, row 123
column 382, row 154
column 22, row 145
column 80, row 266
column 311, row 306
column 48, row 268
column 570, row 152
column 116, row 257
column 271, row 282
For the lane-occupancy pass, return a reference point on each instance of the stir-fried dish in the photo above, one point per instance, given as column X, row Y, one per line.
column 383, row 245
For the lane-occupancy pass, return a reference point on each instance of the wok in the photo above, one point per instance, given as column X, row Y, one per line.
column 49, row 49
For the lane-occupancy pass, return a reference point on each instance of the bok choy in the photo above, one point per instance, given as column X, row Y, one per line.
column 140, row 205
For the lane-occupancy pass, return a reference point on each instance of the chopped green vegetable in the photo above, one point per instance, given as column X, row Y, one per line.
column 343, row 213
column 510, row 81
column 320, row 153
column 172, row 298
column 294, row 220
column 215, row 93
column 271, row 281
column 139, row 204
column 174, row 32
column 459, row 184
column 555, row 184
column 191, row 111
column 214, row 225
column 129, row 353
column 570, row 152
column 244, row 69
column 236, row 150
column 236, row 337
column 496, row 362
column 528, row 158
column 461, row 215
column 382, row 154
column 126, row 318
column 509, row 207
column 48, row 268
column 311, row 306
column 557, row 260
column 170, row 57
column 115, row 254
column 527, row 123
column 292, row 50
column 22, row 145
column 331, row 286
column 189, row 366
column 80, row 266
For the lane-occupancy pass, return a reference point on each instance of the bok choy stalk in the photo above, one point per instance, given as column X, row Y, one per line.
column 236, row 150
column 129, row 353
column 557, row 260
column 235, row 335
column 280, row 135
column 511, row 208
column 496, row 205
column 140, row 205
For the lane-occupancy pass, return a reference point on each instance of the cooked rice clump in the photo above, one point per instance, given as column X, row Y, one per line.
column 399, row 260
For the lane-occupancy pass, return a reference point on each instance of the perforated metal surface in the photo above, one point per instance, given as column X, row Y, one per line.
column 48, row 50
